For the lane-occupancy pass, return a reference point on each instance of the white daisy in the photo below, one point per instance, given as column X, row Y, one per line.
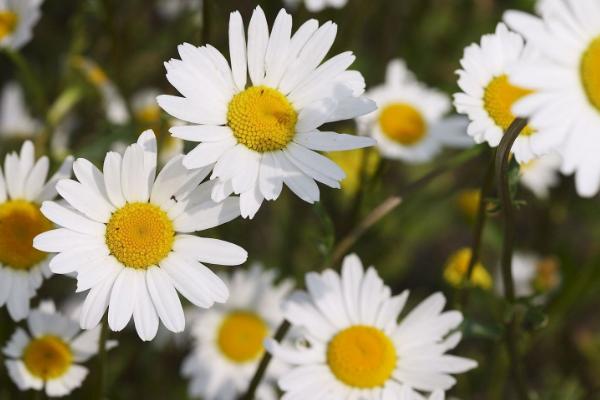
column 17, row 19
column 533, row 274
column 566, row 83
column 488, row 94
column 128, row 236
column 258, row 136
column 317, row 5
column 15, row 120
column 49, row 356
column 229, row 338
column 23, row 188
column 409, row 124
column 541, row 174
column 355, row 346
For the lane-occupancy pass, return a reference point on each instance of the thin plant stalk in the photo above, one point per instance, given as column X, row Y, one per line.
column 102, row 359
column 503, row 156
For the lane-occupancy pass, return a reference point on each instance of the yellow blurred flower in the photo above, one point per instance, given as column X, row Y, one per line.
column 351, row 162
column 457, row 266
column 468, row 202
column 548, row 275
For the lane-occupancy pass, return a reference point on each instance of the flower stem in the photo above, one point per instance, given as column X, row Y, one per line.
column 30, row 80
column 102, row 359
column 264, row 363
column 512, row 329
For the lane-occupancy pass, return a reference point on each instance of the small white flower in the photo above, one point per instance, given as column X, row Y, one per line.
column 49, row 356
column 15, row 120
column 317, row 5
column 356, row 346
column 23, row 188
column 565, row 81
column 257, row 137
column 17, row 19
column 489, row 94
column 127, row 234
column 229, row 338
column 409, row 123
column 533, row 275
column 541, row 174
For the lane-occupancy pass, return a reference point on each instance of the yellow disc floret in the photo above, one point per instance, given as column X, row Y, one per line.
column 590, row 72
column 262, row 119
column 457, row 267
column 140, row 235
column 8, row 23
column 47, row 357
column 403, row 123
column 20, row 222
column 241, row 336
column 498, row 99
column 362, row 357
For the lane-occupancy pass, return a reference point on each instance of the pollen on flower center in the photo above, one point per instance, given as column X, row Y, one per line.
column 403, row 123
column 262, row 119
column 241, row 336
column 20, row 222
column 590, row 72
column 47, row 357
column 362, row 357
column 498, row 99
column 140, row 235
column 8, row 23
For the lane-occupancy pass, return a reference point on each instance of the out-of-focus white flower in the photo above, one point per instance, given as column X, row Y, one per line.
column 23, row 187
column 127, row 234
column 317, row 5
column 356, row 347
column 144, row 106
column 541, row 174
column 532, row 274
column 229, row 338
column 17, row 19
column 564, row 81
column 15, row 120
column 409, row 123
column 259, row 137
column 114, row 104
column 49, row 356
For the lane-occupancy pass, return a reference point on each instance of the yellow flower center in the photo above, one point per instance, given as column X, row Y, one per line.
column 457, row 267
column 362, row 357
column 47, row 357
column 498, row 99
column 262, row 119
column 148, row 114
column 97, row 76
column 140, row 235
column 20, row 222
column 548, row 275
column 403, row 123
column 590, row 72
column 8, row 23
column 241, row 336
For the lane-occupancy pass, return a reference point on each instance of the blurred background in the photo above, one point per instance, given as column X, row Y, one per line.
column 99, row 64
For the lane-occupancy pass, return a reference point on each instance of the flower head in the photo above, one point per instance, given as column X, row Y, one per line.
column 49, row 356
column 15, row 120
column 457, row 267
column 257, row 135
column 17, row 19
column 23, row 187
column 127, row 235
column 355, row 346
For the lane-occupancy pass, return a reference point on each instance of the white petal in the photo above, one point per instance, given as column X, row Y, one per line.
column 165, row 299
column 212, row 251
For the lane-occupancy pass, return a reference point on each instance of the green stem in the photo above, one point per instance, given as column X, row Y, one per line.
column 30, row 81
column 264, row 363
column 503, row 157
column 102, row 359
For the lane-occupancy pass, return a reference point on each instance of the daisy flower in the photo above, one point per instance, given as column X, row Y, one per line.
column 533, row 274
column 409, row 124
column 317, row 5
column 541, row 174
column 229, row 338
column 49, row 355
column 489, row 94
column 355, row 348
column 17, row 19
column 15, row 120
column 565, row 79
column 457, row 267
column 260, row 134
column 127, row 235
column 23, row 187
